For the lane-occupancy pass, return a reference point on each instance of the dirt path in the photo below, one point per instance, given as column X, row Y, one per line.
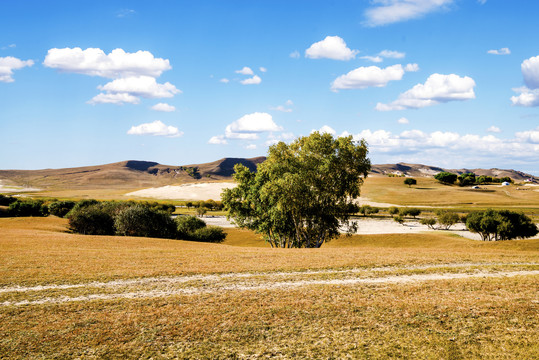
column 158, row 287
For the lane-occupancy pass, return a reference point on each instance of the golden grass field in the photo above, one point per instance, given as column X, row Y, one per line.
column 425, row 296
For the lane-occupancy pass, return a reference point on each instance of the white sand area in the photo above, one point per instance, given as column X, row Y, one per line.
column 199, row 191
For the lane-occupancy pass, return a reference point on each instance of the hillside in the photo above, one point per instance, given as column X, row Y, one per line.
column 133, row 174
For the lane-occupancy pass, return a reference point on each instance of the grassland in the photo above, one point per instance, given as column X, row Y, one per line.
column 425, row 296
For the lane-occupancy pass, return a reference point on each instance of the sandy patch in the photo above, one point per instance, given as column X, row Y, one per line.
column 4, row 188
column 200, row 191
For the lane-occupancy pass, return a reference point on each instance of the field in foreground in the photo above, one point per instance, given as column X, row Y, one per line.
column 379, row 296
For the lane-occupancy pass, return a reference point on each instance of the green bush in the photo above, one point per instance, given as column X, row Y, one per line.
column 28, row 208
column 500, row 225
column 430, row 222
column 393, row 210
column 6, row 200
column 140, row 220
column 447, row 218
column 186, row 225
column 446, row 177
column 82, row 204
column 213, row 234
column 91, row 220
column 61, row 208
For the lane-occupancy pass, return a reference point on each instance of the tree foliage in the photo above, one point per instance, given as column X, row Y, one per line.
column 446, row 177
column 429, row 221
column 447, row 218
column 193, row 228
column 61, row 208
column 466, row 179
column 140, row 220
column 368, row 210
column 303, row 193
column 410, row 182
column 495, row 225
column 28, row 207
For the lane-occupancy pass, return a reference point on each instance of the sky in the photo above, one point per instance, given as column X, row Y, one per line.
column 449, row 83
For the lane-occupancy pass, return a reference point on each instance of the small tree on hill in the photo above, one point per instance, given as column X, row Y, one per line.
column 410, row 182
column 446, row 177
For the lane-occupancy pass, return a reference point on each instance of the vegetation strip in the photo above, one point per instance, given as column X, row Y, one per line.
column 267, row 285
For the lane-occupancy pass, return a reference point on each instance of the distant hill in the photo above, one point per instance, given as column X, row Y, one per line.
column 133, row 174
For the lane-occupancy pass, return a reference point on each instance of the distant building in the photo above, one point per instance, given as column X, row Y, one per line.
column 505, row 183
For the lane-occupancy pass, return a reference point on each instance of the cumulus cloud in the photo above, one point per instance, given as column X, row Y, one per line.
column 118, row 99
column 375, row 59
column 437, row 89
column 392, row 11
column 332, row 47
column 245, row 71
column 494, row 129
column 392, row 54
column 163, row 107
column 218, row 140
column 156, row 128
column 438, row 148
column 255, row 80
column 530, row 72
column 144, row 86
column 224, row 80
column 403, row 121
column 371, row 76
column 262, row 69
column 253, row 123
column 325, row 130
column 283, row 108
column 8, row 64
column 95, row 62
column 527, row 97
column 411, row 67
column 502, row 51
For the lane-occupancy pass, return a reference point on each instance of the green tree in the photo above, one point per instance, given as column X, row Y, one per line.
column 140, row 220
column 368, row 210
column 466, row 179
column 303, row 193
column 61, row 208
column 201, row 210
column 410, row 182
column 447, row 218
column 446, row 177
column 430, row 222
column 495, row 225
column 393, row 210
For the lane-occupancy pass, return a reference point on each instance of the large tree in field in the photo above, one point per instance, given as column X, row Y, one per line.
column 303, row 193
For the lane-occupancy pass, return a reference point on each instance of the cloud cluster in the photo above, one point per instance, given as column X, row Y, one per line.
column 248, row 127
column 134, row 74
column 529, row 94
column 156, row 128
column 284, row 108
column 253, row 80
column 8, row 64
column 430, row 148
column 164, row 107
column 332, row 47
column 437, row 89
column 371, row 76
column 393, row 11
column 502, row 51
column 389, row 54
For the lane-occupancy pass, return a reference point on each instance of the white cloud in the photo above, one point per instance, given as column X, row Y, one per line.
column 376, row 59
column 494, row 129
column 95, row 62
column 289, row 103
column 437, row 89
column 325, row 130
column 251, row 147
column 8, row 64
column 392, row 54
column 403, row 121
column 411, row 67
column 527, row 97
column 255, row 80
column 502, row 51
column 482, row 2
column 163, row 107
column 145, row 86
column 332, row 47
column 253, row 123
column 118, row 99
column 156, row 128
column 224, row 80
column 391, row 11
column 530, row 72
column 281, row 108
column 262, row 69
column 295, row 54
column 245, row 71
column 218, row 140
column 451, row 148
column 125, row 13
column 371, row 76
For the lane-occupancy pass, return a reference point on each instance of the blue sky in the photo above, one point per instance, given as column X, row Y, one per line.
column 452, row 83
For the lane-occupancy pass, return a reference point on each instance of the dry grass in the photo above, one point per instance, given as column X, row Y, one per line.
column 430, row 192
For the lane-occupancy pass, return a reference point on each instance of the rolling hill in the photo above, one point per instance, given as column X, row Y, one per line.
column 133, row 174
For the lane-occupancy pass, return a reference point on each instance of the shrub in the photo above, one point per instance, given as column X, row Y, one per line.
column 500, row 225
column 399, row 219
column 368, row 210
column 446, row 177
column 82, row 204
column 28, row 208
column 213, row 234
column 447, row 218
column 140, row 220
column 6, row 200
column 410, row 182
column 61, row 208
column 91, row 220
column 430, row 222
column 467, row 179
column 186, row 225
column 201, row 210
column 393, row 210
column 409, row 211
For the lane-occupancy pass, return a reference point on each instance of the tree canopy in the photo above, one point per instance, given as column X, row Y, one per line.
column 446, row 177
column 500, row 225
column 303, row 193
